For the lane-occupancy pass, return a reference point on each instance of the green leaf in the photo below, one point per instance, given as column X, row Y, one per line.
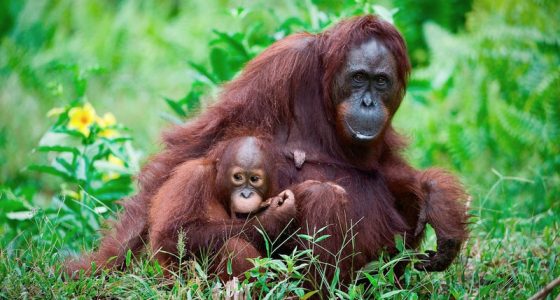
column 305, row 237
column 201, row 273
column 50, row 170
column 372, row 280
column 192, row 99
column 335, row 279
column 175, row 106
column 266, row 241
column 202, row 71
column 391, row 294
column 399, row 242
column 323, row 237
column 119, row 140
column 523, row 126
column 60, row 163
column 12, row 205
column 80, row 85
column 236, row 45
column 128, row 258
column 73, row 150
column 219, row 63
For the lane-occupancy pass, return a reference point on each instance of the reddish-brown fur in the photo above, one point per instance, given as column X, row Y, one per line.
column 195, row 200
column 285, row 94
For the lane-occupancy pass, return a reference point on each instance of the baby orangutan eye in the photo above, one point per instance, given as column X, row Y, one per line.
column 255, row 179
column 237, row 177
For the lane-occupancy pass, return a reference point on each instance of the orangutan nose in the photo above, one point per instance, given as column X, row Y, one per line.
column 367, row 101
column 246, row 194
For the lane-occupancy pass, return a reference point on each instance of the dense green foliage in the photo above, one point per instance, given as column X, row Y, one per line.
column 483, row 101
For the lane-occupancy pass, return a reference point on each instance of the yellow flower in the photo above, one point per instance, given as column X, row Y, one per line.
column 108, row 120
column 81, row 118
column 108, row 133
column 115, row 160
column 71, row 194
column 113, row 175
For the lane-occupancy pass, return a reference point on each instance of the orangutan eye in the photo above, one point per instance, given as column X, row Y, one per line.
column 359, row 77
column 254, row 179
column 237, row 177
column 381, row 81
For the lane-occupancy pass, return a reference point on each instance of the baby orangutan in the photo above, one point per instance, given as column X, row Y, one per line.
column 218, row 202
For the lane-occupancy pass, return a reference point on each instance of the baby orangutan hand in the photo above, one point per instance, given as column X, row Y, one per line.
column 281, row 207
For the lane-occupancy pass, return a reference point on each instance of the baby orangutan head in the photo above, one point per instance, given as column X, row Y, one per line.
column 244, row 176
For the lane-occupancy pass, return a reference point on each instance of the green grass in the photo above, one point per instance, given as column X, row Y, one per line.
column 514, row 264
column 482, row 101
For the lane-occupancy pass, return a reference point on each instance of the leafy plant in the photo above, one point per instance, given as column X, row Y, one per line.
column 95, row 160
column 494, row 90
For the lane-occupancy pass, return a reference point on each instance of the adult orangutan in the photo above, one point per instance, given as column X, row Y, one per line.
column 332, row 96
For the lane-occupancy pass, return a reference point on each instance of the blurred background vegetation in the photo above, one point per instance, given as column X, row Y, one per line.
column 483, row 101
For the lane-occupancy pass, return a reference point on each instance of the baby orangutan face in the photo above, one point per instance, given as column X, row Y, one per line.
column 246, row 177
column 249, row 189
